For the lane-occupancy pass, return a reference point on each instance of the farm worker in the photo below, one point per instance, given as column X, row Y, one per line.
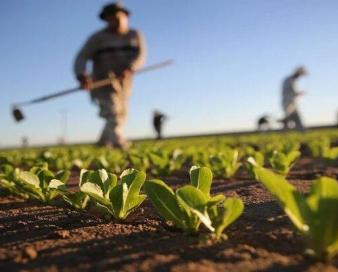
column 158, row 120
column 264, row 123
column 290, row 94
column 115, row 50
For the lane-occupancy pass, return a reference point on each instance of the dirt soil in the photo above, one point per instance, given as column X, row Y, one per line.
column 35, row 237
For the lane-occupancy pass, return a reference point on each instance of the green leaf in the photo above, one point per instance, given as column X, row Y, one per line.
column 232, row 209
column 282, row 163
column 323, row 202
column 201, row 178
column 9, row 186
column 291, row 201
column 194, row 202
column 134, row 203
column 57, row 185
column 292, row 157
column 94, row 191
column 30, row 178
column 118, row 198
column 31, row 185
column 106, row 181
column 102, row 174
column 83, row 176
column 215, row 200
column 79, row 200
column 192, row 196
column 164, row 201
column 135, row 180
column 324, row 187
column 109, row 184
column 62, row 175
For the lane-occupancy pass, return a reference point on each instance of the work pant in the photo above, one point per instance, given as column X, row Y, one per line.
column 293, row 118
column 113, row 104
column 158, row 129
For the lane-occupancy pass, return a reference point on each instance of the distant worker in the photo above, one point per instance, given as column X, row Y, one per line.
column 115, row 49
column 158, row 120
column 289, row 96
column 264, row 123
column 24, row 142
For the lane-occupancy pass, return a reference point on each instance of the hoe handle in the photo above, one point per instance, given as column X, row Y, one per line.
column 108, row 81
column 94, row 85
column 50, row 96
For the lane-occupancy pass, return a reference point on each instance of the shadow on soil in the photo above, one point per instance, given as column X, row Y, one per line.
column 256, row 229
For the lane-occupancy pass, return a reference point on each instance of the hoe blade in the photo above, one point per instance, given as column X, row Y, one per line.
column 18, row 115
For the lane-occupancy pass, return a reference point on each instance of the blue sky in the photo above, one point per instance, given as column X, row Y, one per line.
column 230, row 58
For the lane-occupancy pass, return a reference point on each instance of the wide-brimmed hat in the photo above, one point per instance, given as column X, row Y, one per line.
column 111, row 9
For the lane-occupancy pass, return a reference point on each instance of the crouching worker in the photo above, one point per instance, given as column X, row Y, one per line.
column 115, row 50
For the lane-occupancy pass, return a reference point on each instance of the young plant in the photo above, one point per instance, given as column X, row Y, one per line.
column 164, row 162
column 8, row 177
column 226, row 163
column 283, row 162
column 82, row 163
column 331, row 154
column 139, row 161
column 36, row 183
column 119, row 200
column 290, row 146
column 259, row 159
column 319, row 146
column 54, row 161
column 78, row 200
column 178, row 158
column 192, row 205
column 314, row 215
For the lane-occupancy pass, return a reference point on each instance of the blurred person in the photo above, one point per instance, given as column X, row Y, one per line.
column 264, row 123
column 117, row 50
column 290, row 94
column 158, row 120
column 24, row 141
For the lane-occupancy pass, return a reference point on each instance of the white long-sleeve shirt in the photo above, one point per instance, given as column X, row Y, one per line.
column 289, row 95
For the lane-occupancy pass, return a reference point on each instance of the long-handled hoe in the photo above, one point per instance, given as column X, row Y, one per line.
column 19, row 116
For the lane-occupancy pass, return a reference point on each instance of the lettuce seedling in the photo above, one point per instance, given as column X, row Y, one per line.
column 259, row 159
column 139, row 161
column 282, row 162
column 164, row 162
column 290, row 146
column 83, row 163
column 331, row 154
column 319, row 147
column 78, row 200
column 221, row 214
column 8, row 177
column 119, row 200
column 314, row 215
column 226, row 163
column 192, row 205
column 36, row 183
column 178, row 158
column 54, row 161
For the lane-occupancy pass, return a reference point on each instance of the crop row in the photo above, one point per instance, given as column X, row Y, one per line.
column 189, row 207
column 164, row 159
